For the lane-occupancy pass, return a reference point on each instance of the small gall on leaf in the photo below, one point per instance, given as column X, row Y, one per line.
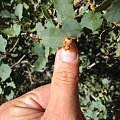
column 68, row 41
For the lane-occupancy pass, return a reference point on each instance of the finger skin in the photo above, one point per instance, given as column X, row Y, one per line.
column 30, row 106
column 64, row 99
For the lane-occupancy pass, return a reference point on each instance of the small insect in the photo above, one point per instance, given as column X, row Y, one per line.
column 68, row 41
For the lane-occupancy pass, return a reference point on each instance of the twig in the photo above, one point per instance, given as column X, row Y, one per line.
column 14, row 46
column 94, row 97
column 48, row 74
column 30, row 76
column 93, row 64
column 18, row 61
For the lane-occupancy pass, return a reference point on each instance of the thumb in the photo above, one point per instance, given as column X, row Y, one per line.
column 64, row 87
column 65, row 74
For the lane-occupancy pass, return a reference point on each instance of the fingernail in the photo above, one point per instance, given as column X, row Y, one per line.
column 68, row 55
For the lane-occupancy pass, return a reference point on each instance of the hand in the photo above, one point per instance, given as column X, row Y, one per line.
column 56, row 101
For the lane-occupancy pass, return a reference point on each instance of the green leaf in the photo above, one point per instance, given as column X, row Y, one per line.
column 40, row 63
column 101, row 106
column 39, row 1
column 10, row 96
column 49, row 24
column 39, row 50
column 52, row 37
column 12, row 31
column 92, row 20
column 5, row 71
column 84, row 9
column 16, row 29
column 39, row 28
column 113, row 13
column 1, row 57
column 64, row 8
column 3, row 44
column 118, row 50
column 1, row 91
column 71, row 28
column 26, row 6
column 105, row 82
column 19, row 11
column 47, row 50
column 95, row 115
column 45, row 11
column 59, row 19
column 7, row 14
column 89, row 112
column 11, row 84
column 98, row 105
column 9, row 32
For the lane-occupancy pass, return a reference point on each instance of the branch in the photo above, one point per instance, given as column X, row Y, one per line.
column 18, row 61
column 104, row 5
column 14, row 46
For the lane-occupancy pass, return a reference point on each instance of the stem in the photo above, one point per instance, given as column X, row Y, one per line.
column 104, row 5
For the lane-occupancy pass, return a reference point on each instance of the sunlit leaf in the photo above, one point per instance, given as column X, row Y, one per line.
column 10, row 96
column 1, row 90
column 39, row 28
column 26, row 6
column 3, row 44
column 17, row 29
column 39, row 50
column 19, row 11
column 7, row 14
column 71, row 28
column 92, row 20
column 84, row 9
column 9, row 32
column 13, row 30
column 40, row 63
column 47, row 50
column 11, row 84
column 52, row 37
column 118, row 50
column 113, row 13
column 5, row 71
column 39, row 1
column 65, row 8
